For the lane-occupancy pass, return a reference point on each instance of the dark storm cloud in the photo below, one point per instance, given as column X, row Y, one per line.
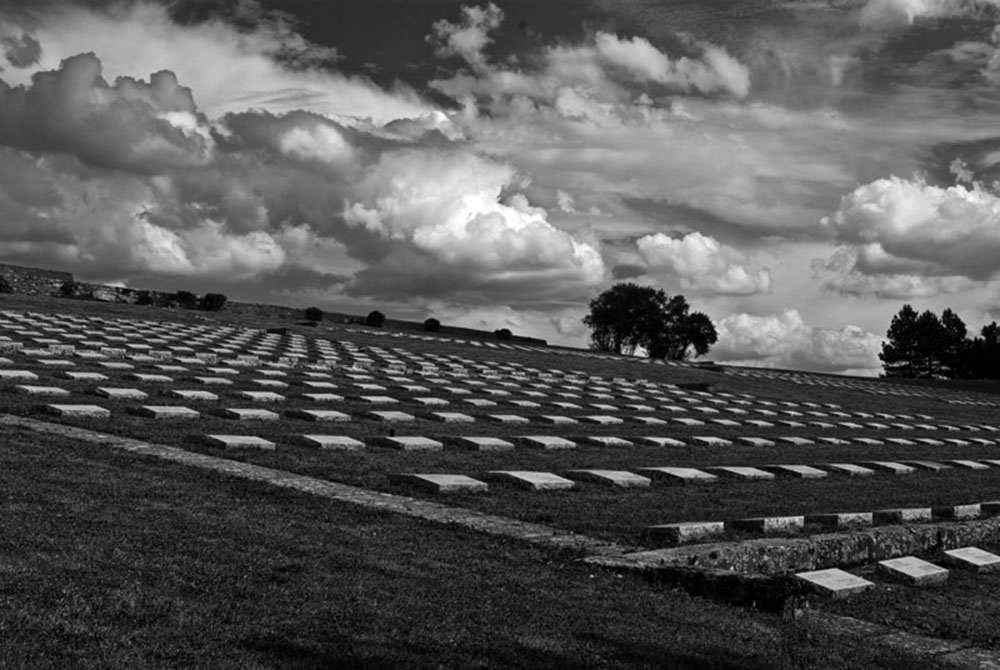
column 23, row 51
column 74, row 110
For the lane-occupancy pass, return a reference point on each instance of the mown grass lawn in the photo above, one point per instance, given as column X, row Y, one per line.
column 112, row 561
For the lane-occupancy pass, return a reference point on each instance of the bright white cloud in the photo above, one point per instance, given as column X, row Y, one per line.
column 908, row 238
column 786, row 341
column 450, row 205
column 700, row 263
column 468, row 38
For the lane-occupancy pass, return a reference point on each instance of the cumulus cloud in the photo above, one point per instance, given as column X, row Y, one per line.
column 786, row 341
column 450, row 206
column 906, row 238
column 468, row 38
column 131, row 125
column 700, row 263
column 263, row 64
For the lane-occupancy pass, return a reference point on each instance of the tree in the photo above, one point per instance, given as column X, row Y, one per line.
column 212, row 302
column 375, row 318
column 432, row 325
column 503, row 334
column 5, row 286
column 186, row 299
column 627, row 317
column 924, row 345
column 314, row 314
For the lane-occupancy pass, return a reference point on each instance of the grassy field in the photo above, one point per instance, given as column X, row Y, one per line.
column 110, row 561
column 126, row 562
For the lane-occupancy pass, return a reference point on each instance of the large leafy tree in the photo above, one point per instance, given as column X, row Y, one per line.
column 628, row 317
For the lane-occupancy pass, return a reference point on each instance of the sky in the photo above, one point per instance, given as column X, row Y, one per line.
column 798, row 170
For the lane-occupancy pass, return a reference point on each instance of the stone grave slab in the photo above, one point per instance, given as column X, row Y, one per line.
column 934, row 466
column 431, row 402
column 902, row 515
column 411, row 443
column 482, row 443
column 84, row 376
column 795, row 441
column 378, row 399
column 535, row 481
column 150, row 379
column 260, row 396
column 332, row 442
column 849, row 469
column 167, row 412
column 240, row 442
column 759, row 423
column 250, row 414
column 679, row 475
column 508, row 418
column 326, row 415
column 41, row 390
column 755, row 441
column 972, row 558
column 729, row 423
column 739, row 472
column 451, row 417
column 322, row 386
column 711, row 441
column 322, row 397
column 868, row 441
column 841, row 520
column 972, row 465
column 958, row 512
column 646, row 420
column 689, row 531
column 17, row 375
column 607, row 441
column 391, row 417
column 56, row 362
column 684, row 421
column 557, row 419
column 891, row 467
column 797, row 471
column 479, row 402
column 525, row 403
column 214, row 381
column 82, row 411
column 120, row 393
column 602, row 420
column 661, row 441
column 770, row 524
column 834, row 582
column 547, row 442
column 913, row 571
column 617, row 478
column 440, row 483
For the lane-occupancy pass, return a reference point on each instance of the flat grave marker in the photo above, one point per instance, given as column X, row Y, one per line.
column 240, row 442
column 914, row 571
column 332, row 442
column 617, row 478
column 973, row 558
column 834, row 582
column 535, row 481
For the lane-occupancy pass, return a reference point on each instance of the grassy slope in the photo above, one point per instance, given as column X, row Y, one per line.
column 114, row 562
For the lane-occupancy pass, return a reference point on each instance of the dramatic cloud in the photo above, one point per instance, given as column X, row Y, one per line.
column 23, row 51
column 450, row 207
column 786, row 341
column 146, row 127
column 896, row 13
column 265, row 64
column 906, row 237
column 701, row 264
column 468, row 38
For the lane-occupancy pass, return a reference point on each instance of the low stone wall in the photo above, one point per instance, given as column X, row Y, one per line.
column 34, row 281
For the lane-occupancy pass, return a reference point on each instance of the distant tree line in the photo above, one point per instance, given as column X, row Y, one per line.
column 926, row 345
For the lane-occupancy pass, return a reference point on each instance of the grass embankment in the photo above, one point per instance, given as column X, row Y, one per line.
column 112, row 561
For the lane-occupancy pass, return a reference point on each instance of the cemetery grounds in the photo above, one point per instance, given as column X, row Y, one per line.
column 114, row 557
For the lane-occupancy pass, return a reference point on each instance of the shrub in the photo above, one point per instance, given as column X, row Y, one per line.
column 375, row 319
column 212, row 302
column 186, row 299
column 432, row 325
column 144, row 298
column 503, row 334
column 68, row 289
column 314, row 314
column 5, row 286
